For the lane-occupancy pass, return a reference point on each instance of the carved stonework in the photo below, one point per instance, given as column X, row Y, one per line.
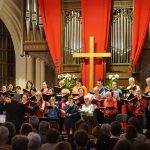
column 35, row 47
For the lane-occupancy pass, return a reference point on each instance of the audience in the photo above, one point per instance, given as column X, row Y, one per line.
column 123, row 145
column 34, row 121
column 63, row 146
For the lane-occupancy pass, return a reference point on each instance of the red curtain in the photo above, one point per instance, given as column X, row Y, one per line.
column 140, row 26
column 95, row 22
column 50, row 12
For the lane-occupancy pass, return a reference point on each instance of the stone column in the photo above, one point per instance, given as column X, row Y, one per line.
column 37, row 74
column 30, row 68
column 42, row 71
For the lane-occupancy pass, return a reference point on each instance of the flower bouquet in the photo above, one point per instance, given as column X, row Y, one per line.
column 69, row 80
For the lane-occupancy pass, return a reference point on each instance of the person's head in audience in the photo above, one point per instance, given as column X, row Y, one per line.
column 12, row 130
column 131, row 132
column 34, row 121
column 4, row 134
column 81, row 139
column 63, row 146
column 115, row 129
column 43, row 127
column 54, row 125
column 99, row 83
column 34, row 141
column 78, row 123
column 123, row 145
column 108, row 95
column 25, row 129
column 19, row 142
column 52, row 136
column 135, row 122
column 96, row 131
column 84, row 126
column 106, row 129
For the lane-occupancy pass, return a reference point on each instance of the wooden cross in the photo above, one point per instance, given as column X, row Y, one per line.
column 91, row 56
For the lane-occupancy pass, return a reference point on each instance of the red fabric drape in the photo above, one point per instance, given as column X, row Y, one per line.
column 95, row 22
column 50, row 12
column 140, row 26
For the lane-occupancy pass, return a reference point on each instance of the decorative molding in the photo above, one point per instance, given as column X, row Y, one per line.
column 123, row 4
column 35, row 47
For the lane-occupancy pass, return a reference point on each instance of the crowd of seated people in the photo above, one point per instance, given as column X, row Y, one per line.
column 99, row 109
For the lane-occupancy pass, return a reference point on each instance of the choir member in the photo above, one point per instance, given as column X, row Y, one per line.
column 87, row 111
column 102, row 89
column 147, row 89
column 18, row 89
column 44, row 89
column 50, row 90
column 62, row 84
column 110, row 105
column 29, row 86
column 79, row 99
column 10, row 87
column 138, row 108
column 132, row 84
column 39, row 99
column 52, row 109
column 77, row 86
column 71, row 115
column 4, row 88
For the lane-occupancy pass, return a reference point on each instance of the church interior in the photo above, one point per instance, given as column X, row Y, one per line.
column 79, row 53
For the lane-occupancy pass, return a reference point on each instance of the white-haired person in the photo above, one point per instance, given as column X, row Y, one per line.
column 132, row 85
column 147, row 89
column 87, row 111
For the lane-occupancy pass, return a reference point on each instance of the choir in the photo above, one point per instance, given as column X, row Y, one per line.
column 99, row 106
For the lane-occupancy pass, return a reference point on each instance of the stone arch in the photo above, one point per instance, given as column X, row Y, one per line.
column 10, row 14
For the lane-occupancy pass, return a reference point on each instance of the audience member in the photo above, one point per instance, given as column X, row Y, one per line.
column 19, row 142
column 63, row 145
column 34, row 121
column 52, row 139
column 34, row 141
column 25, row 129
column 4, row 134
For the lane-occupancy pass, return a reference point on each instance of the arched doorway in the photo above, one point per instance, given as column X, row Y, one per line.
column 7, row 56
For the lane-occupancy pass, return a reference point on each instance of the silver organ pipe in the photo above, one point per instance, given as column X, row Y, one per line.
column 72, row 35
column 121, row 35
column 34, row 18
column 27, row 16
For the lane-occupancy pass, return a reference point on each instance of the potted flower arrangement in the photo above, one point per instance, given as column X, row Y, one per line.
column 69, row 80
